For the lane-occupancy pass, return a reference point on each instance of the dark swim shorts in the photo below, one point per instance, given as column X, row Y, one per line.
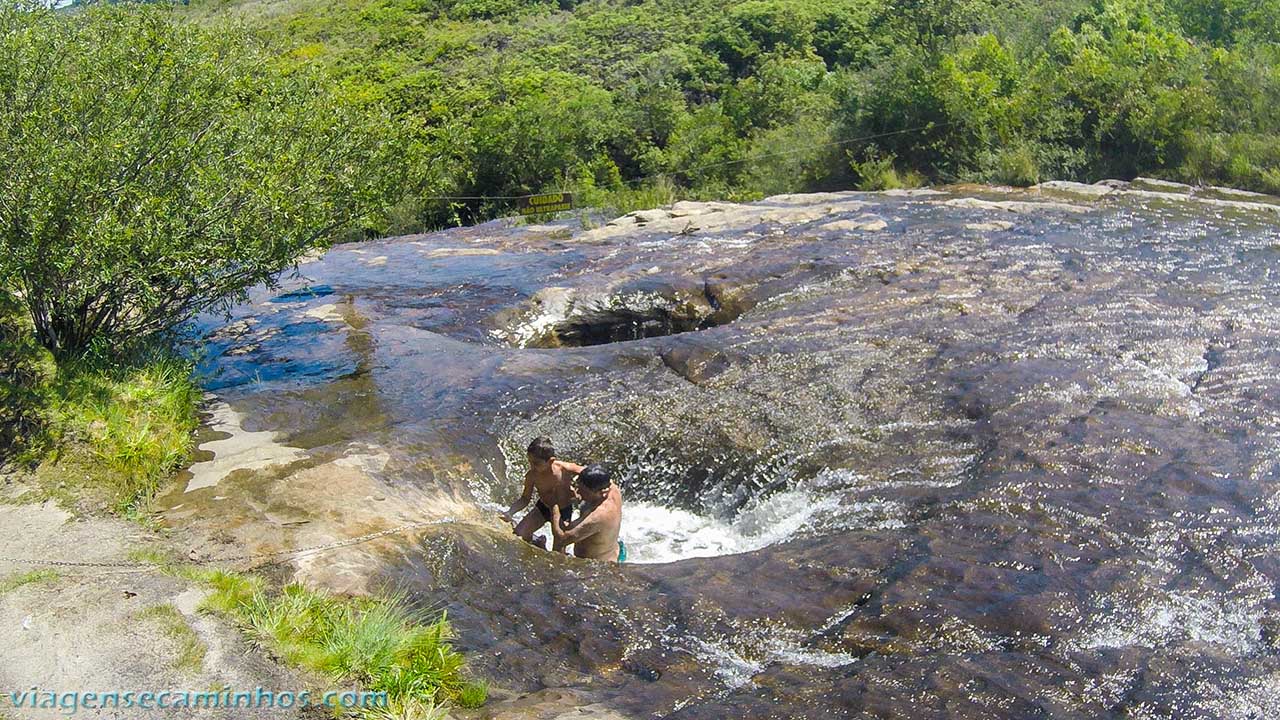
column 566, row 511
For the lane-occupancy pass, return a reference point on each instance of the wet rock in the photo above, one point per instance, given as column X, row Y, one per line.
column 1113, row 184
column 1247, row 206
column 327, row 313
column 643, row 217
column 913, row 192
column 729, row 297
column 686, row 208
column 793, row 215
column 1014, row 206
column 847, row 200
column 1226, row 193
column 1145, row 183
column 236, row 449
column 643, row 307
column 633, row 310
column 1270, row 631
column 695, row 364
column 306, row 292
column 550, row 704
column 1065, row 187
column 460, row 252
column 534, row 325
column 993, row 226
column 642, row 671
column 1050, row 453
column 863, row 223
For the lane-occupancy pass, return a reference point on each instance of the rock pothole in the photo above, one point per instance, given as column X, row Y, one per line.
column 574, row 317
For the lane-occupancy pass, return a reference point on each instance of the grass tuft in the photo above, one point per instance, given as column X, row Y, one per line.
column 164, row 560
column 624, row 199
column 129, row 426
column 14, row 582
column 231, row 591
column 473, row 695
column 1016, row 166
column 878, row 172
column 191, row 649
column 377, row 642
column 107, row 427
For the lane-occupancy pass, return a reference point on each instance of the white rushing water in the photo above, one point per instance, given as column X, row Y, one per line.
column 656, row 534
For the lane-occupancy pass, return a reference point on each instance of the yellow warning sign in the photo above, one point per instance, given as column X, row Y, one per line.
column 548, row 203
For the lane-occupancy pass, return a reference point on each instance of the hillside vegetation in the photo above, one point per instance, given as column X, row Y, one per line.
column 733, row 98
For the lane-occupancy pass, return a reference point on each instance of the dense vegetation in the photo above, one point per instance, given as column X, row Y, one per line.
column 154, row 168
column 744, row 97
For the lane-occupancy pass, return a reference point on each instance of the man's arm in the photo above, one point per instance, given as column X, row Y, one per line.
column 580, row 529
column 521, row 502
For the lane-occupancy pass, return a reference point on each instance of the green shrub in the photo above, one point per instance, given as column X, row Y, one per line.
column 507, row 97
column 621, row 200
column 1236, row 159
column 1016, row 166
column 876, row 172
column 154, row 168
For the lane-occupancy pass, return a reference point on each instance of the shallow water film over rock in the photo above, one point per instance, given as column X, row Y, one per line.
column 970, row 453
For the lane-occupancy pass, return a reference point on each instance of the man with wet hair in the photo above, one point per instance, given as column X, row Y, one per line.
column 553, row 479
column 594, row 534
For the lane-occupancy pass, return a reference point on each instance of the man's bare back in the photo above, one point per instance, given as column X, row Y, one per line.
column 594, row 534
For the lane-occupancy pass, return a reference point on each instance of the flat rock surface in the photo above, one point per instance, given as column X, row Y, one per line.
column 1013, row 454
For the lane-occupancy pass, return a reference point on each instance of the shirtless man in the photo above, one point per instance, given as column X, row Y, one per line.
column 595, row 533
column 553, row 479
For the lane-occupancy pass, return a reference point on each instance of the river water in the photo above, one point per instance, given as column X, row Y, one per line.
column 960, row 454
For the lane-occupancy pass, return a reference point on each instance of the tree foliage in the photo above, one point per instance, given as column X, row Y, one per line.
column 155, row 168
column 740, row 98
column 744, row 97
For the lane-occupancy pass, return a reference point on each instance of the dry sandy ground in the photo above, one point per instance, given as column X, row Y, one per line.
column 85, row 629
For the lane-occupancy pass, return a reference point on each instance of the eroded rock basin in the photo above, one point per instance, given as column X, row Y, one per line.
column 970, row 453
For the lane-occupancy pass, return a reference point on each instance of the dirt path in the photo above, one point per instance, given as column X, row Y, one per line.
column 103, row 630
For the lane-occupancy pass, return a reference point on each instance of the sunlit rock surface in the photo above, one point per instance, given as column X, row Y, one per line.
column 977, row 453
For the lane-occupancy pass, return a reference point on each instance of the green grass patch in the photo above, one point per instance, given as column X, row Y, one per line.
column 191, row 649
column 164, row 560
column 97, row 428
column 127, row 427
column 377, row 642
column 232, row 592
column 13, row 582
